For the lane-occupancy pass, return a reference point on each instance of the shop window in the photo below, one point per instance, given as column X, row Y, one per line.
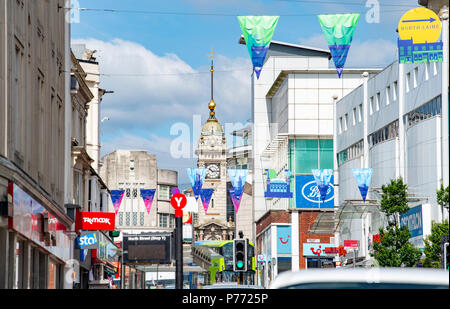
column 164, row 192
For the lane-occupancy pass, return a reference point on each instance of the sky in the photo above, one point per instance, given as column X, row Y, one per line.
column 155, row 56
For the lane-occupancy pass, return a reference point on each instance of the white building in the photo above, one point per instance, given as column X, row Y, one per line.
column 292, row 106
column 420, row 164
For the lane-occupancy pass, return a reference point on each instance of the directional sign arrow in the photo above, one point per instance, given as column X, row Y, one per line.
column 431, row 19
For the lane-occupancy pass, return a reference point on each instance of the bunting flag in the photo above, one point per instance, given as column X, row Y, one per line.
column 338, row 30
column 258, row 32
column 236, row 198
column 196, row 177
column 116, row 197
column 363, row 177
column 147, row 195
column 322, row 178
column 237, row 179
column 277, row 187
column 205, row 196
column 175, row 191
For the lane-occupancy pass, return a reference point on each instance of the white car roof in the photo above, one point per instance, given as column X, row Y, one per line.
column 422, row 276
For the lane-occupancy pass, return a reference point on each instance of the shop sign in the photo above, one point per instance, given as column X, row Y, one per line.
column 284, row 239
column 413, row 220
column 317, row 250
column 351, row 243
column 261, row 258
column 88, row 240
column 308, row 194
column 95, row 221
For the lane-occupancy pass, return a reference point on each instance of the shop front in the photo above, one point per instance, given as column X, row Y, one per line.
column 38, row 242
column 319, row 255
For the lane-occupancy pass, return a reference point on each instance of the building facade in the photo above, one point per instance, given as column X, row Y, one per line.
column 420, row 163
column 34, row 245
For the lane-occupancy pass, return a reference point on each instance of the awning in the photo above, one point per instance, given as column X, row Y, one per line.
column 324, row 223
column 356, row 209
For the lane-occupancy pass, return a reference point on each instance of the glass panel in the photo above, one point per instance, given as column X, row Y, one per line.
column 326, row 154
column 306, row 156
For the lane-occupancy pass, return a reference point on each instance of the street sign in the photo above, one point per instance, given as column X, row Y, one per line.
column 421, row 25
column 419, row 30
column 178, row 202
column 351, row 243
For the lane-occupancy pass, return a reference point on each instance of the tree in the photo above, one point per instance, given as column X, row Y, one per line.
column 394, row 248
column 442, row 196
column 433, row 244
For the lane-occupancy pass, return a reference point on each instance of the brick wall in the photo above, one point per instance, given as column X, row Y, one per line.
column 273, row 216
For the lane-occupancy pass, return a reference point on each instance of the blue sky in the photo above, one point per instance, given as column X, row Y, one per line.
column 168, row 44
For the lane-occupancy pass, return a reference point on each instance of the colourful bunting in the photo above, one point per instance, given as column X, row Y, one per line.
column 322, row 178
column 338, row 30
column 236, row 198
column 205, row 196
column 363, row 177
column 116, row 197
column 196, row 177
column 258, row 32
column 147, row 195
column 277, row 187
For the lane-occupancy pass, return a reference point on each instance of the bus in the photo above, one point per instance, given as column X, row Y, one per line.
column 217, row 256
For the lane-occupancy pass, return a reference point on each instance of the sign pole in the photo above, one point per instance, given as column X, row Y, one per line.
column 178, row 202
column 179, row 253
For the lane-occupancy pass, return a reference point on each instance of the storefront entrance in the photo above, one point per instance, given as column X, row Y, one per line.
column 320, row 263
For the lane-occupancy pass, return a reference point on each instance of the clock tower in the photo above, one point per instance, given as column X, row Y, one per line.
column 211, row 153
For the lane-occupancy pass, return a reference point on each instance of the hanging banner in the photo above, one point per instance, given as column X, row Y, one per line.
column 147, row 195
column 363, row 176
column 322, row 178
column 338, row 30
column 175, row 191
column 258, row 32
column 196, row 177
column 116, row 197
column 236, row 198
column 308, row 195
column 278, row 187
column 419, row 30
column 237, row 179
column 205, row 196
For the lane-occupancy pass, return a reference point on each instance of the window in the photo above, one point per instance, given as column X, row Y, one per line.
column 395, row 91
column 141, row 219
column 378, row 101
column 346, row 122
column 360, row 111
column 408, row 81
column 416, row 77
column 351, row 152
column 340, row 125
column 163, row 220
column 134, row 218
column 305, row 155
column 388, row 95
column 127, row 219
column 371, row 105
column 424, row 112
column 164, row 192
column 386, row 133
column 354, row 116
column 120, row 218
column 427, row 70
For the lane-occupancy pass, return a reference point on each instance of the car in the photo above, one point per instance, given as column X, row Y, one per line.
column 231, row 285
column 363, row 278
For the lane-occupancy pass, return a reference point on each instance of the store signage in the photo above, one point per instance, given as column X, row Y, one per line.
column 413, row 219
column 351, row 243
column 317, row 250
column 261, row 258
column 88, row 240
column 95, row 221
column 284, row 242
column 308, row 194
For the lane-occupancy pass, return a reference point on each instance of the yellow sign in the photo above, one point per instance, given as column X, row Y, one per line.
column 421, row 25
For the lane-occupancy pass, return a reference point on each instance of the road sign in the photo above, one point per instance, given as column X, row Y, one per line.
column 421, row 25
column 178, row 202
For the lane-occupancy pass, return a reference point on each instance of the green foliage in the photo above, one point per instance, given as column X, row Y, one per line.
column 394, row 248
column 393, row 199
column 433, row 244
column 442, row 196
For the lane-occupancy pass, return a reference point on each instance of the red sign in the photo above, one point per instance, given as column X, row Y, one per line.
column 178, row 201
column 95, row 221
column 331, row 250
column 351, row 243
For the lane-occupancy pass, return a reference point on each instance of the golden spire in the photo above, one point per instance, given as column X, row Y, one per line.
column 212, row 104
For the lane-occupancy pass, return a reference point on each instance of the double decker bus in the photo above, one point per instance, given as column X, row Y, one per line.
column 217, row 257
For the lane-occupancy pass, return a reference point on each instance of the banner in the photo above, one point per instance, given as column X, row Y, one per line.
column 419, row 30
column 205, row 196
column 116, row 197
column 196, row 177
column 363, row 176
column 258, row 32
column 236, row 198
column 175, row 191
column 237, row 179
column 147, row 195
column 322, row 178
column 278, row 187
column 308, row 194
column 338, row 30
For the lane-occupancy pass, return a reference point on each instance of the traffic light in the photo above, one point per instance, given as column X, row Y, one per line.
column 240, row 255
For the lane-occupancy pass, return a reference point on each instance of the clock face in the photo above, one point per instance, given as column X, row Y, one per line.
column 213, row 171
